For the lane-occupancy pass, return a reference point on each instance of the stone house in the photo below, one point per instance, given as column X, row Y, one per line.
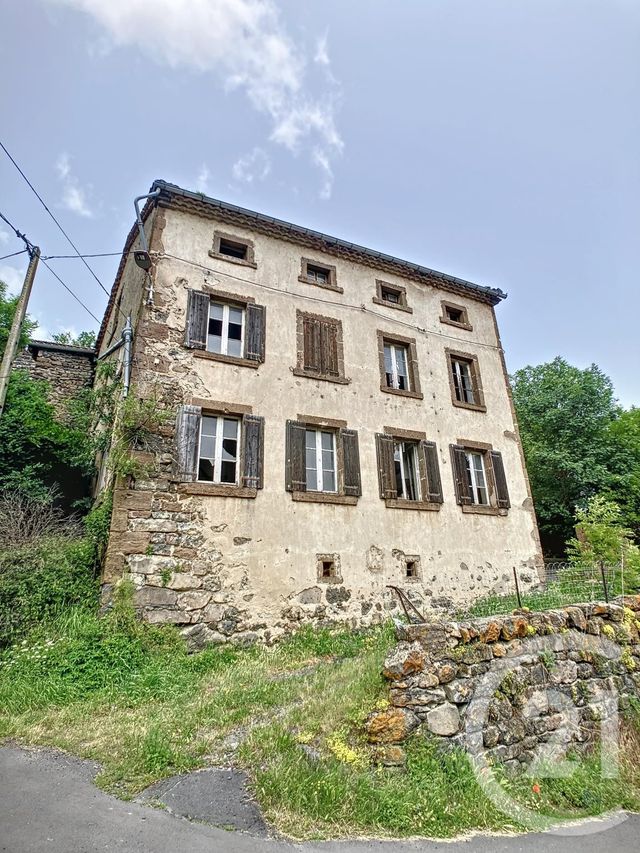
column 338, row 420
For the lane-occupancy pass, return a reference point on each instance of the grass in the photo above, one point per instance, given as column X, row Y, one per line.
column 130, row 698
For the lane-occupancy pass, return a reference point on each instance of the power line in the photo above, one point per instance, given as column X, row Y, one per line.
column 66, row 287
column 80, row 257
column 18, row 234
column 13, row 254
column 43, row 203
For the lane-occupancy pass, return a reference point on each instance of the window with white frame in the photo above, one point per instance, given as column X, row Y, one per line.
column 219, row 450
column 396, row 366
column 477, row 477
column 320, row 447
column 463, row 380
column 226, row 329
column 405, row 457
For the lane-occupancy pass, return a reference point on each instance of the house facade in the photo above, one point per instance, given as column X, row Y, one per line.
column 335, row 421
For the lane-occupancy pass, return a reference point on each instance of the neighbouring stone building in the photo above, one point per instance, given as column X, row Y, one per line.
column 67, row 369
column 338, row 420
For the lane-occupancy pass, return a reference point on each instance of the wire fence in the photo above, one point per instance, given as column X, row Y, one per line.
column 557, row 584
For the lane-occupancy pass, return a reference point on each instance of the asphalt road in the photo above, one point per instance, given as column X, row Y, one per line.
column 48, row 803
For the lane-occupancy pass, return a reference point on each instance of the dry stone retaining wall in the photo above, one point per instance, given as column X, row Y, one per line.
column 545, row 678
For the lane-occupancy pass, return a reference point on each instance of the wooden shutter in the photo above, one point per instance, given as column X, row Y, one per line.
column 195, row 335
column 253, row 429
column 432, row 489
column 351, row 462
column 329, row 349
column 295, row 468
column 500, row 480
column 187, row 440
column 460, row 478
column 386, row 466
column 311, row 332
column 255, row 337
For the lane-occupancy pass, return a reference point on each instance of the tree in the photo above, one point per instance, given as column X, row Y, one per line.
column 8, row 306
column 84, row 339
column 623, row 436
column 566, row 418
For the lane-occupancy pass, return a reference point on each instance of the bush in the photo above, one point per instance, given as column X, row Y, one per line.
column 42, row 580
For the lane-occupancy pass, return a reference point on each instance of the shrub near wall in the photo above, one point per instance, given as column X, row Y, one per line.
column 545, row 677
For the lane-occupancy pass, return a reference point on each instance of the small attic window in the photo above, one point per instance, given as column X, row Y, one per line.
column 233, row 249
column 391, row 296
column 320, row 275
column 455, row 315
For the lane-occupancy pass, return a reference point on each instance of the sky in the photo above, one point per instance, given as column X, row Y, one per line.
column 495, row 140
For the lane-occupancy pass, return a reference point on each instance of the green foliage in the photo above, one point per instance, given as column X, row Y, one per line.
column 602, row 537
column 7, row 311
column 83, row 339
column 42, row 580
column 137, row 425
column 36, row 449
column 565, row 416
column 623, row 438
column 97, row 523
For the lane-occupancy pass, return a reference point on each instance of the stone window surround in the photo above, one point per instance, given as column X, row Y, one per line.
column 325, row 558
column 412, row 364
column 331, row 269
column 474, row 368
column 215, row 252
column 334, row 425
column 475, row 509
column 399, row 289
column 299, row 370
column 403, row 503
column 463, row 324
column 218, row 407
column 229, row 298
column 411, row 558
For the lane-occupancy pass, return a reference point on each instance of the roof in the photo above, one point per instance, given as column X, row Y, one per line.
column 174, row 196
column 54, row 346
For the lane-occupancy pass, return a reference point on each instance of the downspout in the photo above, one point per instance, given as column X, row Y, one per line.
column 127, row 338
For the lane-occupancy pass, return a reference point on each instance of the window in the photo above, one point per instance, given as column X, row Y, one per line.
column 396, row 359
column 455, row 315
column 391, row 296
column 464, row 377
column 233, row 249
column 328, row 568
column 405, row 457
column 479, row 478
column 320, row 350
column 398, row 365
column 225, row 327
column 219, row 452
column 412, row 567
column 320, row 275
column 408, row 469
column 229, row 247
column 218, row 456
column 320, row 460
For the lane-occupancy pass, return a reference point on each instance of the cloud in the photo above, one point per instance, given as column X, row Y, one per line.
column 254, row 166
column 245, row 44
column 202, row 181
column 12, row 277
column 4, row 237
column 74, row 197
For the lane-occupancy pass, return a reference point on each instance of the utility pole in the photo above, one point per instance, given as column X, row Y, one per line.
column 16, row 326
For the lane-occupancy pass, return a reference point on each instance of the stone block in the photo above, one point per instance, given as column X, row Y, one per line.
column 194, row 600
column 155, row 596
column 183, row 581
column 144, row 564
column 444, row 720
column 390, row 726
column 403, row 660
column 564, row 672
column 165, row 615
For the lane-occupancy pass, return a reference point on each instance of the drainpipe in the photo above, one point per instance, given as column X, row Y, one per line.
column 127, row 338
column 142, row 259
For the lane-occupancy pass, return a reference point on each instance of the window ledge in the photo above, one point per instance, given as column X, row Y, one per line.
column 473, row 407
column 324, row 498
column 395, row 305
column 230, row 259
column 417, row 395
column 217, row 489
column 466, row 326
column 475, row 509
column 227, row 359
column 308, row 281
column 323, row 377
column 403, row 503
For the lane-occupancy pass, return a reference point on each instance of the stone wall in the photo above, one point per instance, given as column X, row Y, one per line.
column 67, row 369
column 514, row 688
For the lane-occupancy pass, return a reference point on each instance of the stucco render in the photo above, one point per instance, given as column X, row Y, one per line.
column 246, row 567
